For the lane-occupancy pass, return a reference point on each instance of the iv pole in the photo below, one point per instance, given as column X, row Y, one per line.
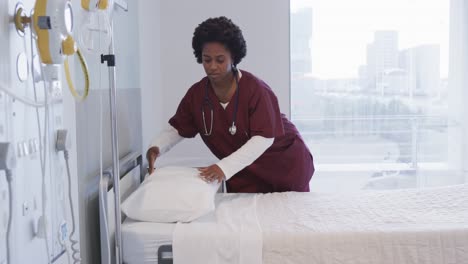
column 110, row 59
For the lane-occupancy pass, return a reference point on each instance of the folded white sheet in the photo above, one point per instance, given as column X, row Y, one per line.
column 235, row 237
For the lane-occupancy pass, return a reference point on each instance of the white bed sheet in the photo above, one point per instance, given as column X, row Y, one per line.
column 141, row 240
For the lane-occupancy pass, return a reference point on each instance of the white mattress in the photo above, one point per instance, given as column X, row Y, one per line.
column 385, row 227
column 141, row 240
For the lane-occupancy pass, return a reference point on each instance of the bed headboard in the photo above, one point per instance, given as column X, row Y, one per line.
column 132, row 174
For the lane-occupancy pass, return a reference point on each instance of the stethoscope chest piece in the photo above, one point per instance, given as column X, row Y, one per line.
column 233, row 129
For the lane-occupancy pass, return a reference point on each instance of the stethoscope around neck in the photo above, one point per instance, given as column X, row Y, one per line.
column 206, row 100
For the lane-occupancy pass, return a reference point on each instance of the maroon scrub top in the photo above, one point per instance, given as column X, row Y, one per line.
column 287, row 165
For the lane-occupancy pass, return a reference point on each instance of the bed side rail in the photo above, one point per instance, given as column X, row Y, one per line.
column 132, row 174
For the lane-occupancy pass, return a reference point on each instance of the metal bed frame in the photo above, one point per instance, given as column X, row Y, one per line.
column 132, row 174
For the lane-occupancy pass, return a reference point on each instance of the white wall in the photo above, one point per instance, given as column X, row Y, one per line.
column 169, row 67
column 150, row 65
column 458, row 66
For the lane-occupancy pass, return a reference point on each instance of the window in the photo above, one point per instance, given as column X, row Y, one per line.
column 369, row 93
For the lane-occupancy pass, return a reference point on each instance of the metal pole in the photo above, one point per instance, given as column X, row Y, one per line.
column 110, row 58
column 115, row 153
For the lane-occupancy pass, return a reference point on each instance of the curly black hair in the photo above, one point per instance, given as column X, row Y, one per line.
column 222, row 30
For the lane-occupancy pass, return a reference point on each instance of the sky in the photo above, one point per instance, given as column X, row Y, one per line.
column 341, row 30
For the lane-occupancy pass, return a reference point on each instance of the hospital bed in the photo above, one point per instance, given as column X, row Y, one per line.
column 402, row 226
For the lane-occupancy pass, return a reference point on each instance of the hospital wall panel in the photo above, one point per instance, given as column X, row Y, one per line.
column 81, row 119
column 4, row 77
column 19, row 126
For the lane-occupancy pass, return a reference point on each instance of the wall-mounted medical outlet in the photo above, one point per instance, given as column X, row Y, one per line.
column 20, row 149
column 61, row 141
column 32, row 146
column 25, row 147
column 7, row 156
column 41, row 227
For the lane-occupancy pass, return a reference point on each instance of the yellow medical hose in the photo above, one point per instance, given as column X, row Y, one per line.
column 84, row 67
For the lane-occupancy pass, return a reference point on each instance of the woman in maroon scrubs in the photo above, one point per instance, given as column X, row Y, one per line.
column 229, row 108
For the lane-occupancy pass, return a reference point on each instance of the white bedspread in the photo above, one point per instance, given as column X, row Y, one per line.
column 373, row 227
column 233, row 238
column 427, row 226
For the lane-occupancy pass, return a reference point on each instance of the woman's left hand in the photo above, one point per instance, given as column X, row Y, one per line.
column 211, row 173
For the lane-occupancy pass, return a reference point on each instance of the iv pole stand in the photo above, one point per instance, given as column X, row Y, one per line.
column 110, row 59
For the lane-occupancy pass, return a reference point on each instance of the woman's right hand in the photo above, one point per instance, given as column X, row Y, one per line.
column 151, row 156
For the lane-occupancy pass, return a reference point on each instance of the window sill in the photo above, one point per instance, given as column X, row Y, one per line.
column 368, row 167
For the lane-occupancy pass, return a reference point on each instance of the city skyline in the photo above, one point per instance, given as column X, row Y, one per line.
column 341, row 31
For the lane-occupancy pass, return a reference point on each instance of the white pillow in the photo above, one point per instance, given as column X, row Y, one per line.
column 171, row 194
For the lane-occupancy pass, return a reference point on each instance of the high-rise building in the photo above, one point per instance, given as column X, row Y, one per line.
column 301, row 34
column 422, row 66
column 382, row 55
